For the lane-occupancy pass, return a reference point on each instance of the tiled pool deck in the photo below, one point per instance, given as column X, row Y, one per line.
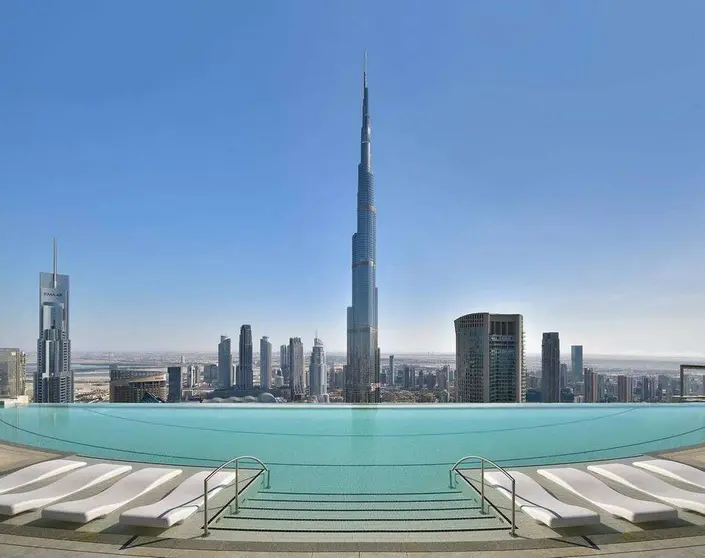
column 28, row 535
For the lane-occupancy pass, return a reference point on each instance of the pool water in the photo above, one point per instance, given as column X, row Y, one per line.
column 356, row 449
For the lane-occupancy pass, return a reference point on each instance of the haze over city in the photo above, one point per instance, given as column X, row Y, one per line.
column 544, row 160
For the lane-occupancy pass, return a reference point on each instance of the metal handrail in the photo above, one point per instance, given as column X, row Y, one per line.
column 235, row 460
column 482, row 483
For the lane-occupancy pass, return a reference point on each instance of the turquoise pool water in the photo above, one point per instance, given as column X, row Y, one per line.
column 365, row 448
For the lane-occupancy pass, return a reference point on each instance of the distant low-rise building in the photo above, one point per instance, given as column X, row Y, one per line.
column 129, row 385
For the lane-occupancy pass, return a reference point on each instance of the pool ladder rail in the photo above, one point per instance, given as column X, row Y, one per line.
column 236, row 461
column 483, row 460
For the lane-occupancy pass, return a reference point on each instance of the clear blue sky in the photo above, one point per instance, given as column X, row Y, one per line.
column 197, row 161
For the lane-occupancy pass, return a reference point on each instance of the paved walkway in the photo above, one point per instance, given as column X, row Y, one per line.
column 15, row 546
column 16, row 457
column 693, row 456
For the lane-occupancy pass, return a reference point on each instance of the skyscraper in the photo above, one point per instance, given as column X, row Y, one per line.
column 648, row 388
column 265, row 363
column 284, row 363
column 576, row 362
column 551, row 367
column 564, row 375
column 296, row 367
column 362, row 369
column 175, row 380
column 225, row 363
column 390, row 375
column 489, row 358
column 318, row 382
column 13, row 371
column 244, row 379
column 592, row 392
column 53, row 380
column 624, row 388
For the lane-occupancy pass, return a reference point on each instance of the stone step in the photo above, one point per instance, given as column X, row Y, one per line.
column 484, row 523
column 267, row 495
column 309, row 505
column 343, row 514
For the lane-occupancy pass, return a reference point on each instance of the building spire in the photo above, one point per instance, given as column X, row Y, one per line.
column 55, row 262
column 366, row 135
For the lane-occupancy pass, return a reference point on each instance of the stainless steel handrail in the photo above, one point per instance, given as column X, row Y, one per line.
column 235, row 460
column 482, row 483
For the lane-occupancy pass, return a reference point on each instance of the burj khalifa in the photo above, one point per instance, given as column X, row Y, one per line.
column 363, row 359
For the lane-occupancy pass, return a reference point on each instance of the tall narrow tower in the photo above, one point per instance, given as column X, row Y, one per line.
column 362, row 369
column 245, row 377
column 53, row 380
column 551, row 367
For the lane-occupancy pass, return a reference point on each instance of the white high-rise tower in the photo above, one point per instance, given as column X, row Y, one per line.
column 318, row 384
column 53, row 380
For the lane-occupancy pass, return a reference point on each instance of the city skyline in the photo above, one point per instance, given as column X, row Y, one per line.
column 550, row 136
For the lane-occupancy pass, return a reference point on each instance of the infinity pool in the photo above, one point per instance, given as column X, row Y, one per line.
column 337, row 448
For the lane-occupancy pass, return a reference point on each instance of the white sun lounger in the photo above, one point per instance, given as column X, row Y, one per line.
column 648, row 484
column 11, row 504
column 599, row 494
column 534, row 501
column 179, row 504
column 674, row 470
column 37, row 472
column 118, row 495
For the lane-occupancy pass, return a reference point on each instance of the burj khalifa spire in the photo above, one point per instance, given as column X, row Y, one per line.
column 362, row 370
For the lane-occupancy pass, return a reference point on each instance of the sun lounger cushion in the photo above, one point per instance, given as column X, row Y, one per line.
column 532, row 499
column 118, row 495
column 674, row 470
column 38, row 472
column 78, row 480
column 642, row 481
column 599, row 494
column 179, row 504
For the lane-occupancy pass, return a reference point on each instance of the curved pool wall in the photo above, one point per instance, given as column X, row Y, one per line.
column 338, row 448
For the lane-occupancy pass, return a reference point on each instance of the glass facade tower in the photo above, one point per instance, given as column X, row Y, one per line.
column 245, row 370
column 53, row 380
column 362, row 369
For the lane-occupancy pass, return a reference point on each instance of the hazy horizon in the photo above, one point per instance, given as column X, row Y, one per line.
column 565, row 356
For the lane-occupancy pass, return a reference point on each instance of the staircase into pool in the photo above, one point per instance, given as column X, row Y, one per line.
column 449, row 510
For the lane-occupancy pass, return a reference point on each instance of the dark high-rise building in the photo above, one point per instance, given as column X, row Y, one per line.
column 551, row 367
column 624, row 388
column 592, row 386
column 245, row 370
column 362, row 369
column 225, row 363
column 53, row 380
column 284, row 363
column 564, row 375
column 296, row 367
column 175, row 378
column 265, row 363
column 576, row 362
